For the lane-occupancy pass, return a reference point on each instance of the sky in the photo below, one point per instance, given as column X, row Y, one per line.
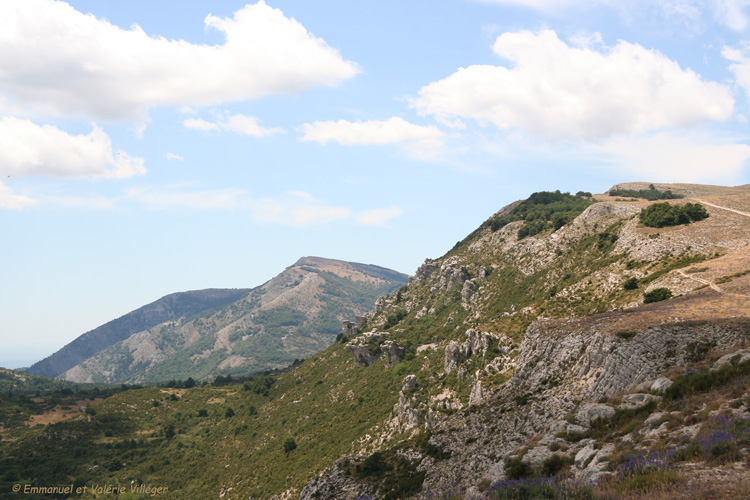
column 151, row 147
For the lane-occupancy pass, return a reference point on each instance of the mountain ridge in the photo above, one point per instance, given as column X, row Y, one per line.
column 171, row 306
column 520, row 362
column 291, row 316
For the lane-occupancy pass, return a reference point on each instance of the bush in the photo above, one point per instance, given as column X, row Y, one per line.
column 202, row 412
column 289, row 444
column 516, row 468
column 553, row 465
column 664, row 214
column 650, row 194
column 229, row 413
column 374, row 465
column 630, row 284
column 657, row 295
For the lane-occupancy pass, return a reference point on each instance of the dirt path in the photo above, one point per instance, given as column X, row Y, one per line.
column 711, row 284
column 722, row 208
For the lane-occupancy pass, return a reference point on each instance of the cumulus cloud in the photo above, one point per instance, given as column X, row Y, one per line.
column 28, row 149
column 678, row 157
column 57, row 60
column 560, row 92
column 11, row 201
column 241, row 124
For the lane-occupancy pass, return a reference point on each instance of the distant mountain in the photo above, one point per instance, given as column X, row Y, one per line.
column 170, row 307
column 292, row 316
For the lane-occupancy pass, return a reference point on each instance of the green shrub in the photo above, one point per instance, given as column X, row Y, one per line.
column 650, row 194
column 374, row 465
column 516, row 468
column 553, row 465
column 664, row 214
column 657, row 295
column 289, row 444
column 627, row 335
column 630, row 284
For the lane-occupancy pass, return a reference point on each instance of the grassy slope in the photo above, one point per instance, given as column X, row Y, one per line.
column 318, row 403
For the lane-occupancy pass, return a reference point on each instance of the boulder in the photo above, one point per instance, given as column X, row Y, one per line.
column 636, row 400
column 589, row 412
column 661, row 384
column 742, row 356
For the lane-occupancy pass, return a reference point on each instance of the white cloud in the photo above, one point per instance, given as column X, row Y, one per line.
column 96, row 202
column 733, row 13
column 390, row 131
column 740, row 59
column 161, row 198
column 296, row 209
column 172, row 156
column 28, row 149
column 674, row 157
column 241, row 124
column 57, row 60
column 10, row 200
column 301, row 209
column 560, row 92
column 422, row 142
column 378, row 216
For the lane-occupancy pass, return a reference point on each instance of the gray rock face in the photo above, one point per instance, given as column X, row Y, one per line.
column 452, row 356
column 338, row 483
column 424, row 271
column 451, row 274
column 477, row 394
column 349, row 329
column 392, row 353
column 584, row 364
column 360, row 347
column 467, row 292
column 410, row 381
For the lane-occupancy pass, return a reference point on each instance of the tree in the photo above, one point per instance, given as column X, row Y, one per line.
column 657, row 295
column 229, row 413
column 289, row 444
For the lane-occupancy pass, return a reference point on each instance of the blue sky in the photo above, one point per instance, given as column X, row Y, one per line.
column 154, row 147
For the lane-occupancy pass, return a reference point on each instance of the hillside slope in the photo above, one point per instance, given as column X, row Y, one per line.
column 167, row 308
column 505, row 362
column 292, row 316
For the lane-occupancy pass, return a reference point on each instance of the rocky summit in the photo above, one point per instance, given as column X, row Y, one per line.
column 572, row 346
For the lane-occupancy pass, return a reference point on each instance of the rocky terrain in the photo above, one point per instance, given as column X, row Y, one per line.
column 499, row 396
column 561, row 350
